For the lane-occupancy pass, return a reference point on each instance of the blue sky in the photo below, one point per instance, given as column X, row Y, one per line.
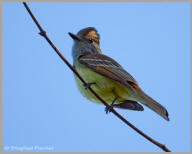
column 41, row 106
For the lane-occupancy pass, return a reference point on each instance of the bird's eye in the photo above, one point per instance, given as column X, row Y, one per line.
column 90, row 41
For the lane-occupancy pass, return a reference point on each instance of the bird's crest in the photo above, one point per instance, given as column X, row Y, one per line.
column 89, row 33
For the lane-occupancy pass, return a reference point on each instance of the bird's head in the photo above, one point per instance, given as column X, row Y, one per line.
column 86, row 41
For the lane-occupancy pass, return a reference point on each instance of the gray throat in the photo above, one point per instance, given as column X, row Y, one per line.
column 79, row 49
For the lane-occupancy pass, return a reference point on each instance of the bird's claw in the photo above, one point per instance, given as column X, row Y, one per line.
column 108, row 108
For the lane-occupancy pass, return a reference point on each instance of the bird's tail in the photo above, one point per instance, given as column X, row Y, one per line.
column 152, row 104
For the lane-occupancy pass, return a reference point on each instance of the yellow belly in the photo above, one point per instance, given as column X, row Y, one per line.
column 106, row 88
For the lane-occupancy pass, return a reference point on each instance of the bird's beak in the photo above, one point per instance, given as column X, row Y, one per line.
column 75, row 37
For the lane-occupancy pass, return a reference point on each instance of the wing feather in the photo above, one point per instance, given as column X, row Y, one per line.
column 108, row 67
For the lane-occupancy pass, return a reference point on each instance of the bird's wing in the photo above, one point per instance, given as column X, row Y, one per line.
column 108, row 67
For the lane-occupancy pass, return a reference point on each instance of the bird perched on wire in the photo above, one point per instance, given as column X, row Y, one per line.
column 107, row 77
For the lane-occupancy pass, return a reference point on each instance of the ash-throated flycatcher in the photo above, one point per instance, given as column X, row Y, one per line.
column 106, row 77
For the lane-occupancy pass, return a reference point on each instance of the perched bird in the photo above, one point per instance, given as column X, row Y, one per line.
column 107, row 77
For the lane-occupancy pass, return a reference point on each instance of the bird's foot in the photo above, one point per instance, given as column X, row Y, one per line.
column 88, row 85
column 108, row 108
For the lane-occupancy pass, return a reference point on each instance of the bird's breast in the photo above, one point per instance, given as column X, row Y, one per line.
column 105, row 87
